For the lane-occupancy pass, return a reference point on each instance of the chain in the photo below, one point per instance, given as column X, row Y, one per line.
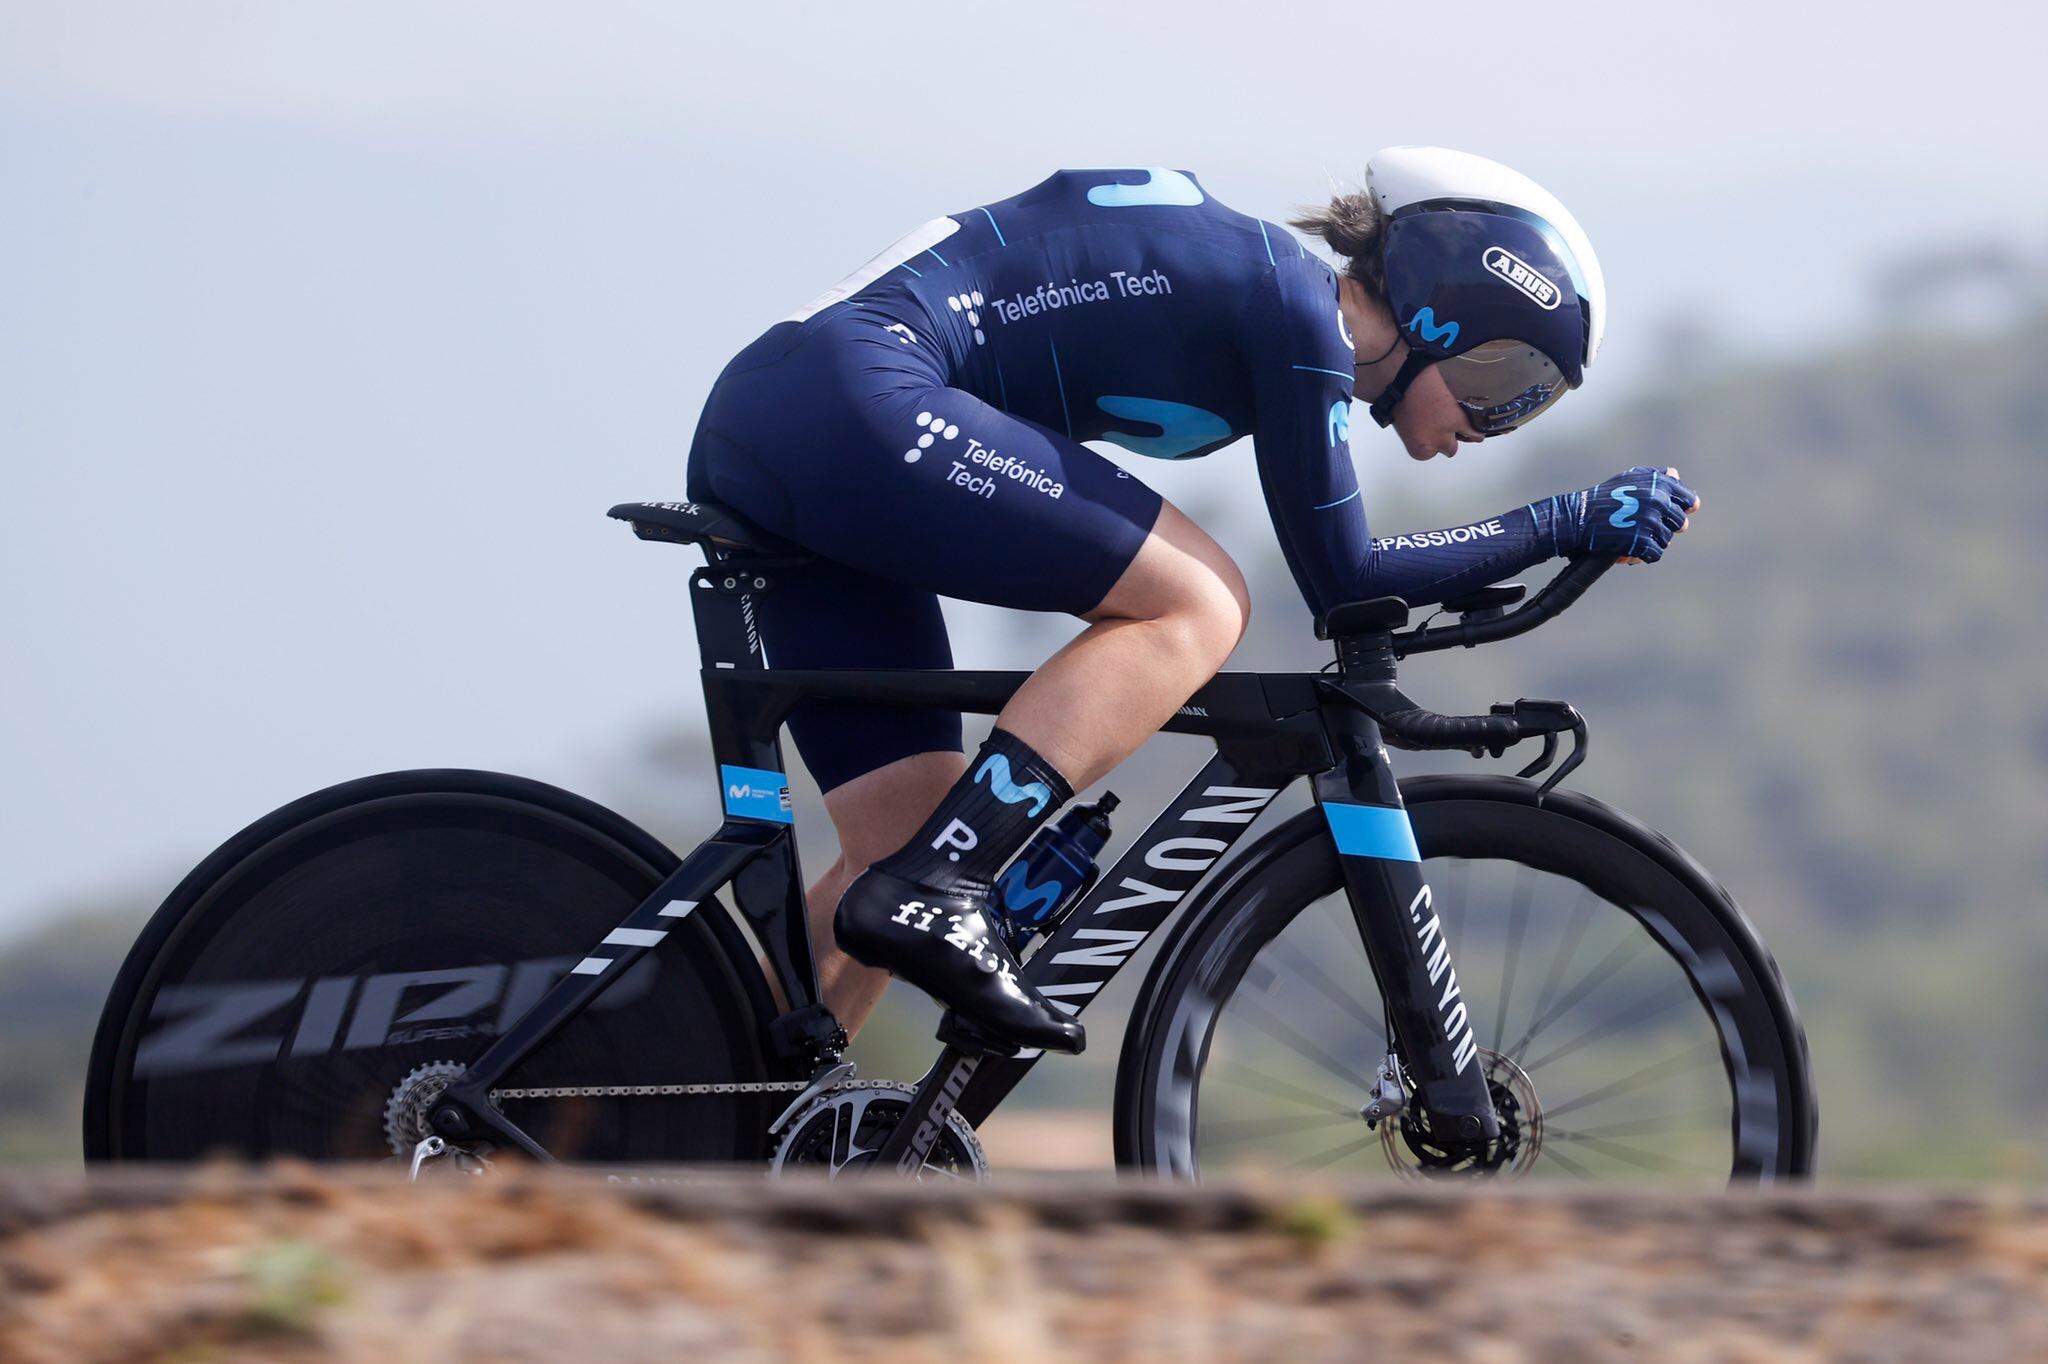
column 649, row 1091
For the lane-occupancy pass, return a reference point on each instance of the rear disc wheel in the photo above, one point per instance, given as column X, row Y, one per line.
column 284, row 992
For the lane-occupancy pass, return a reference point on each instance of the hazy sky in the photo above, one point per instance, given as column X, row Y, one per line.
column 328, row 332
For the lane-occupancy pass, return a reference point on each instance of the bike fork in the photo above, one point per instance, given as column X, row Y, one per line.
column 1432, row 1026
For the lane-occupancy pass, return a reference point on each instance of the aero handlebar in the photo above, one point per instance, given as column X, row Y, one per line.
column 1557, row 594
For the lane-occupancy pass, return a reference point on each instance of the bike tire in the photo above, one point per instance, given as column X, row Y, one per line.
column 300, row 972
column 1773, row 1113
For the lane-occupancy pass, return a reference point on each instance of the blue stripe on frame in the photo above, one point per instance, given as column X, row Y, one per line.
column 1371, row 831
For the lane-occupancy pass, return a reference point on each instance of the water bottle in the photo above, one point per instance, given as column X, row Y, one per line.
column 1050, row 873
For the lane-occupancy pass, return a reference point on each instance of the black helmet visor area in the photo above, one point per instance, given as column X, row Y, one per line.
column 1499, row 385
column 1502, row 384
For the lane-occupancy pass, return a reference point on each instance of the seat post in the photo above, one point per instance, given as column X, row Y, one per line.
column 722, row 601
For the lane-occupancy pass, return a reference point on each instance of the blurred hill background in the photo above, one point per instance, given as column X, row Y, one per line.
column 1834, row 693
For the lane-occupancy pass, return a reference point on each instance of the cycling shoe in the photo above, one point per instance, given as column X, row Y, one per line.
column 948, row 945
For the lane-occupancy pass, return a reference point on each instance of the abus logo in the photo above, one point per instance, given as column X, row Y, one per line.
column 1505, row 264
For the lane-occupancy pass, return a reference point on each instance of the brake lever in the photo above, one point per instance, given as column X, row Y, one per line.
column 1544, row 760
column 1572, row 760
column 1550, row 718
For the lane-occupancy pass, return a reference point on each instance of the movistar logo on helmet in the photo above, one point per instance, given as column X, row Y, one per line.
column 1425, row 325
column 1505, row 264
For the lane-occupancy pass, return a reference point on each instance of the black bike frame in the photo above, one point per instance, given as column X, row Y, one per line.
column 1269, row 729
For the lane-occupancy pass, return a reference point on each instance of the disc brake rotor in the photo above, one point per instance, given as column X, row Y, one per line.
column 1415, row 1154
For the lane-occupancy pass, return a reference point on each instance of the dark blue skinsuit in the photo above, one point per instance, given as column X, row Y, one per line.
column 920, row 425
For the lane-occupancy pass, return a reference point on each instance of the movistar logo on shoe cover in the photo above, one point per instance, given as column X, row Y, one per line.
column 1161, row 186
column 753, row 793
column 1425, row 325
column 996, row 767
column 1183, row 427
column 1505, row 265
column 1626, row 517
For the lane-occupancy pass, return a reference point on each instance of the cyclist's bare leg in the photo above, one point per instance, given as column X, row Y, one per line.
column 875, row 814
column 1162, row 631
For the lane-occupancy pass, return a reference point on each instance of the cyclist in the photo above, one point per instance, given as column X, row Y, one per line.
column 919, row 427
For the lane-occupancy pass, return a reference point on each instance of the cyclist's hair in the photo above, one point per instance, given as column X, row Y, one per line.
column 1354, row 229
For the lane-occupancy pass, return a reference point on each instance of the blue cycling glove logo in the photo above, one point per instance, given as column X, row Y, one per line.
column 1425, row 325
column 1162, row 186
column 996, row 767
column 1626, row 516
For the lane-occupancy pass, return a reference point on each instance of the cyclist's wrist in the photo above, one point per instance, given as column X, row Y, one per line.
column 1561, row 522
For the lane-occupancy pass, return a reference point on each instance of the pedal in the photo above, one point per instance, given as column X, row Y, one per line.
column 961, row 1035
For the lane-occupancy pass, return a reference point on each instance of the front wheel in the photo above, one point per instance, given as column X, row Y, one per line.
column 293, row 989
column 1631, row 1023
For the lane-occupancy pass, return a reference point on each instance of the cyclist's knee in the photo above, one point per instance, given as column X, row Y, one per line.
column 1184, row 580
column 1218, row 609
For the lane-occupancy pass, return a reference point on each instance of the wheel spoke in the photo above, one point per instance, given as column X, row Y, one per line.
column 1619, row 956
column 1334, row 1154
column 1256, row 1014
column 1643, row 1127
column 1570, row 1167
column 1632, row 1155
column 1238, row 1073
column 1659, row 1000
column 1518, row 921
column 1575, row 929
column 1285, row 1124
column 1692, row 1058
column 1301, row 965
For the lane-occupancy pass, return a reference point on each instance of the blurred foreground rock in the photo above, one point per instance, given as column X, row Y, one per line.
column 303, row 1265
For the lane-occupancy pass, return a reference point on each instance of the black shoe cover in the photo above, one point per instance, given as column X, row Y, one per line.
column 947, row 945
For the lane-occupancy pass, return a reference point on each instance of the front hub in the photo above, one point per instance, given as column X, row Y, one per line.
column 1416, row 1150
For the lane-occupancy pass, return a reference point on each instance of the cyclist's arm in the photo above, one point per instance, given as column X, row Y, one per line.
column 1302, row 382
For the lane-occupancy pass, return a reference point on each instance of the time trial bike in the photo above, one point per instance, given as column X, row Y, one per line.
column 1441, row 975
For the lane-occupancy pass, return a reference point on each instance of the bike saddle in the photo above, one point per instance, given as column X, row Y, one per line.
column 705, row 523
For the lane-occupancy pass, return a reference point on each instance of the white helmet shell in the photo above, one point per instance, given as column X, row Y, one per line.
column 1399, row 176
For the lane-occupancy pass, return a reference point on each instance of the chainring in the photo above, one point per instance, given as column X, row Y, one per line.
column 844, row 1127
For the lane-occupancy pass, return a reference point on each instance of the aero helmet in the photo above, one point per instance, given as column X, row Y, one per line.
column 1489, row 278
